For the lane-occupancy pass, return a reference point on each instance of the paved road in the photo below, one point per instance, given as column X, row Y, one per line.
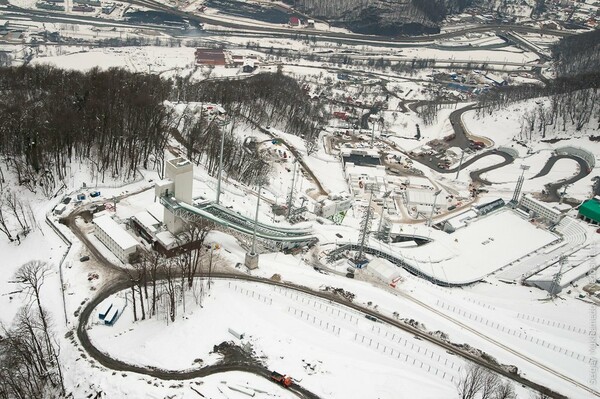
column 237, row 27
column 552, row 188
column 476, row 174
column 353, row 38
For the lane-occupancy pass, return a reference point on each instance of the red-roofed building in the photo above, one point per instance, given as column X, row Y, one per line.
column 209, row 56
column 295, row 21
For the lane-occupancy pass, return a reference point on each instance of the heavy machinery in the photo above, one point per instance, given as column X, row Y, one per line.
column 284, row 380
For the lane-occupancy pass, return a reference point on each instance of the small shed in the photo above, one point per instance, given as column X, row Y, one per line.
column 383, row 269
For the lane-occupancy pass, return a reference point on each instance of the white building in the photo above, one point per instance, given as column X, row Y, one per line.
column 384, row 269
column 147, row 225
column 417, row 196
column 363, row 179
column 178, row 184
column 111, row 234
column 333, row 205
column 539, row 209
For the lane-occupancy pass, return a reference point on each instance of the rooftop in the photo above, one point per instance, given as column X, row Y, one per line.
column 147, row 220
column 115, row 231
column 591, row 209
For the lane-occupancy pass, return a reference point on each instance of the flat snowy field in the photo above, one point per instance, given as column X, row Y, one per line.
column 331, row 349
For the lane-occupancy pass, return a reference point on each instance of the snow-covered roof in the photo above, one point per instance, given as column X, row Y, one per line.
column 418, row 196
column 362, row 151
column 384, row 269
column 461, row 220
column 115, row 231
column 494, row 78
column 157, row 210
column 562, row 207
column 550, row 208
column 166, row 238
column 147, row 220
column 471, row 253
column 378, row 171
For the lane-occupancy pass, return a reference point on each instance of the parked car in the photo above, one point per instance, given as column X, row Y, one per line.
column 84, row 258
column 66, row 200
column 95, row 194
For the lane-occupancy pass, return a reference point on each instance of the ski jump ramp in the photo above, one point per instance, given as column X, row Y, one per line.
column 273, row 236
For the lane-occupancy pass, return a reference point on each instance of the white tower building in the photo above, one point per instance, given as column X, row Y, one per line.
column 178, row 183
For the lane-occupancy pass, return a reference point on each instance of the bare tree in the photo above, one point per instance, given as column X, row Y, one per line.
column 16, row 208
column 540, row 395
column 31, row 277
column 491, row 383
column 505, row 390
column 471, row 382
column 4, row 223
column 171, row 288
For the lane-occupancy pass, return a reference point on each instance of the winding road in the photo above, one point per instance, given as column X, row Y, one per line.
column 552, row 188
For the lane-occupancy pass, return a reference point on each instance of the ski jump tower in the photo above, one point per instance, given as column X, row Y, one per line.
column 178, row 183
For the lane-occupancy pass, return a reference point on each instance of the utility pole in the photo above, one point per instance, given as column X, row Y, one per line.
column 372, row 134
column 562, row 196
column 251, row 260
column 256, row 219
column 380, row 232
column 220, row 165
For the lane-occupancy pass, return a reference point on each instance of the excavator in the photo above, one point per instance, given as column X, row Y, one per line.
column 284, row 380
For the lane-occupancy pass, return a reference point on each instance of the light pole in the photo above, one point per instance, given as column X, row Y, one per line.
column 373, row 134
column 221, row 161
column 251, row 259
column 433, row 207
column 256, row 219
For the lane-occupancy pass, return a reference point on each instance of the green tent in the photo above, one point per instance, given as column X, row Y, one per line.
column 591, row 210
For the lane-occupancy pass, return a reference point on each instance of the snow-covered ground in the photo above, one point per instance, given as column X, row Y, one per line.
column 316, row 342
column 329, row 349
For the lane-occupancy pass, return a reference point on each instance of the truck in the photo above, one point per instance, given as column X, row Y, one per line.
column 282, row 379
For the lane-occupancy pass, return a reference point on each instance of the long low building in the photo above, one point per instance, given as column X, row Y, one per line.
column 539, row 209
column 116, row 239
